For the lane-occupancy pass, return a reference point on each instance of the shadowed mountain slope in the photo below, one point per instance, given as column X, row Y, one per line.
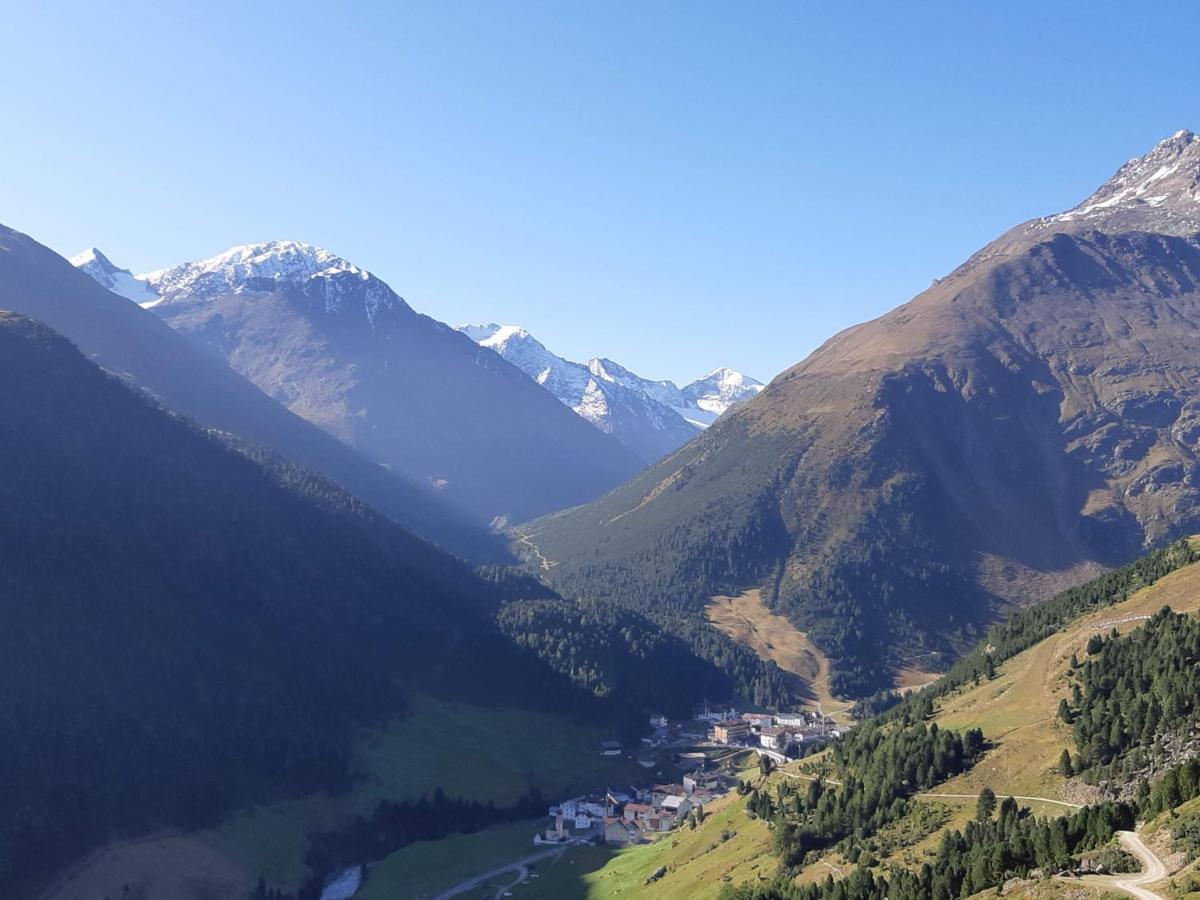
column 339, row 347
column 184, row 630
column 134, row 345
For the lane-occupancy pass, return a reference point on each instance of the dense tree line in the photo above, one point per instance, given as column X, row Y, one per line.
column 394, row 825
column 879, row 770
column 989, row 851
column 1177, row 785
column 1136, row 688
column 614, row 653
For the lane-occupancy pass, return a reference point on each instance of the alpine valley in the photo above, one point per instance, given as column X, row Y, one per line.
column 306, row 595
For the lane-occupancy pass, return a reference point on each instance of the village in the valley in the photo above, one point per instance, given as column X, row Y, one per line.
column 701, row 749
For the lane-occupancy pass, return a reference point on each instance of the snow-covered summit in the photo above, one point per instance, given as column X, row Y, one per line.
column 248, row 266
column 118, row 280
column 324, row 280
column 1159, row 191
column 722, row 388
column 650, row 417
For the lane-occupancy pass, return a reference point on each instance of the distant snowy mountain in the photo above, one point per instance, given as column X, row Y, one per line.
column 337, row 346
column 119, row 281
column 700, row 402
column 652, row 418
column 717, row 391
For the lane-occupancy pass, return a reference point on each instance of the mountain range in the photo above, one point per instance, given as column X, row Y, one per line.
column 138, row 347
column 1032, row 417
column 651, row 418
column 339, row 348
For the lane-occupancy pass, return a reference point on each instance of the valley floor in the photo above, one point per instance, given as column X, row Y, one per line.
column 477, row 753
column 493, row 754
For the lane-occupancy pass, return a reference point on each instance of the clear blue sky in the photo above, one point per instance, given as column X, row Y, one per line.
column 673, row 185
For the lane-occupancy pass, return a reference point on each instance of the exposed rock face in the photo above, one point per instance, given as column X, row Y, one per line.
column 1033, row 416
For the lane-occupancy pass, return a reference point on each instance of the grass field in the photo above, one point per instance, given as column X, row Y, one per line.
column 747, row 620
column 159, row 867
column 473, row 752
column 426, row 869
column 1018, row 709
column 728, row 847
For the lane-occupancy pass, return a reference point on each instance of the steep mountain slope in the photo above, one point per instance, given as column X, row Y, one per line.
column 135, row 345
column 338, row 347
column 647, row 427
column 183, row 630
column 1031, row 416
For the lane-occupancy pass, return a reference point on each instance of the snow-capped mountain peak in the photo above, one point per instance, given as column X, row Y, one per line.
column 721, row 388
column 1158, row 191
column 315, row 277
column 251, row 264
column 118, row 280
column 494, row 335
column 650, row 417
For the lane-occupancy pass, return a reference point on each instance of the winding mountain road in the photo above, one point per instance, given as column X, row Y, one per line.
column 1152, row 868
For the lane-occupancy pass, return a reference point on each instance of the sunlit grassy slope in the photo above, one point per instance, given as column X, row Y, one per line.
column 1017, row 712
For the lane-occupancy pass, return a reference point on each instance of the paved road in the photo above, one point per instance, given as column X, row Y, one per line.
column 521, row 866
column 1152, row 868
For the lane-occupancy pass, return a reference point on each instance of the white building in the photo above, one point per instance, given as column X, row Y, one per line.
column 677, row 806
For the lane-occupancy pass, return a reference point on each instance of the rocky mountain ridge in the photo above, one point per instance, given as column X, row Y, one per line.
column 652, row 418
column 338, row 347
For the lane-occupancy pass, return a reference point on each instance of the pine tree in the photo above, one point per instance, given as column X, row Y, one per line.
column 986, row 804
column 1064, row 711
column 1065, row 766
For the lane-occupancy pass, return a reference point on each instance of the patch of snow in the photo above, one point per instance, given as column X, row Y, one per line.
column 119, row 281
column 1161, row 188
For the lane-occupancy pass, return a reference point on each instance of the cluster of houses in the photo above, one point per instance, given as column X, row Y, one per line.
column 632, row 815
column 772, row 731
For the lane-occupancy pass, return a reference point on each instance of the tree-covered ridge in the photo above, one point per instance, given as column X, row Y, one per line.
column 184, row 629
column 985, row 854
column 614, row 653
column 878, row 770
column 1132, row 690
